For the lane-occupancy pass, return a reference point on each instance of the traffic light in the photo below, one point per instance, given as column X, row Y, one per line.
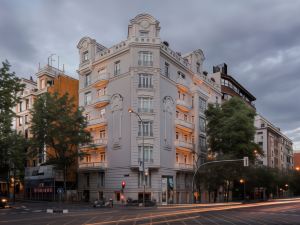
column 123, row 184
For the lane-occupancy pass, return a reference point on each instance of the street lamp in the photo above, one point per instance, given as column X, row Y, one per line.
column 130, row 110
column 298, row 168
column 242, row 181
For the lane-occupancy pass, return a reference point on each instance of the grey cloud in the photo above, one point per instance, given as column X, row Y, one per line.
column 259, row 40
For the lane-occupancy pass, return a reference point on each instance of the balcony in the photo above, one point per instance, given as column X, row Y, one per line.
column 100, row 80
column 184, row 145
column 184, row 166
column 182, row 84
column 96, row 122
column 96, row 143
column 186, row 125
column 101, row 101
column 183, row 105
column 43, row 172
column 92, row 165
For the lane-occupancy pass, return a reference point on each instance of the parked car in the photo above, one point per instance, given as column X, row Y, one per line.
column 4, row 202
column 148, row 203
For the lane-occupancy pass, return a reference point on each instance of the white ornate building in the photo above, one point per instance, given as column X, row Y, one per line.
column 168, row 91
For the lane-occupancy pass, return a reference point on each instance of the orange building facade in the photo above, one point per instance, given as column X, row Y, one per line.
column 42, row 181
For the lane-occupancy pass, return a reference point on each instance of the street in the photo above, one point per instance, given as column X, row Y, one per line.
column 273, row 212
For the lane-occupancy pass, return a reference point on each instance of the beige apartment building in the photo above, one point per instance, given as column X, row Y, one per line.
column 42, row 181
column 167, row 90
column 277, row 148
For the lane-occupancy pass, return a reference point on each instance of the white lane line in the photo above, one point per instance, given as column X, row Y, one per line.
column 89, row 220
column 230, row 220
column 216, row 216
column 241, row 219
column 38, row 210
column 197, row 221
column 121, row 218
column 206, row 218
column 70, row 221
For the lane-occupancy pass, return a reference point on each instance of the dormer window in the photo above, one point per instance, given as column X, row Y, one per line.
column 181, row 75
column 144, row 33
column 85, row 56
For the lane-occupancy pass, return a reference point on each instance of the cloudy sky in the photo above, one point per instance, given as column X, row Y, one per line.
column 259, row 40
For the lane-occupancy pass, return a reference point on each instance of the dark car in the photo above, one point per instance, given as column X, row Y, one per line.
column 148, row 203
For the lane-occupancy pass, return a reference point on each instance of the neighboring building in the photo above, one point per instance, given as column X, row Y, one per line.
column 170, row 93
column 277, row 148
column 41, row 181
column 297, row 160
column 230, row 87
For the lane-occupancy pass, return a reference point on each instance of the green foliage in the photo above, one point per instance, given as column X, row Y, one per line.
column 59, row 125
column 9, row 87
column 231, row 130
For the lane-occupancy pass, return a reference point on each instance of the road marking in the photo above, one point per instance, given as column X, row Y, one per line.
column 36, row 211
column 197, row 221
column 237, row 218
column 89, row 220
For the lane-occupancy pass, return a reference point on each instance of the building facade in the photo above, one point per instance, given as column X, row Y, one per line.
column 41, row 181
column 277, row 148
column 169, row 92
column 230, row 87
column 297, row 160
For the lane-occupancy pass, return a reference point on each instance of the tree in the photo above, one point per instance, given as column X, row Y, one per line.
column 10, row 86
column 58, row 125
column 17, row 156
column 231, row 130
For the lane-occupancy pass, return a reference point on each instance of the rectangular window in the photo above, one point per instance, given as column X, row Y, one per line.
column 87, row 98
column 202, row 144
column 145, row 104
column 144, row 33
column 85, row 56
column 147, row 179
column 102, row 157
column 147, row 128
column 101, row 92
column 145, row 81
column 202, row 105
column 102, row 134
column 26, row 119
column 167, row 69
column 20, row 121
column 87, row 180
column 145, row 59
column 177, row 158
column 20, row 106
column 87, row 80
column 101, row 179
column 148, row 153
column 27, row 104
column 202, row 124
column 117, row 68
column 26, row 134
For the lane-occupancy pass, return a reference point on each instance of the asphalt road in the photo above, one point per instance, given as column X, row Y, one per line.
column 273, row 213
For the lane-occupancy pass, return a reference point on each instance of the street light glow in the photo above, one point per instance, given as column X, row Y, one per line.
column 130, row 110
column 242, row 181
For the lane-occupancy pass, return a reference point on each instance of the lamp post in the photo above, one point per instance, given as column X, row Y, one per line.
column 242, row 181
column 142, row 122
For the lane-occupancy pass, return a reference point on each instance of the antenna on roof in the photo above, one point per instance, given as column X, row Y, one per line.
column 57, row 62
column 39, row 66
column 63, row 67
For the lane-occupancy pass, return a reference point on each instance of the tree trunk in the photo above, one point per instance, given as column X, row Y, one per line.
column 65, row 182
column 14, row 190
